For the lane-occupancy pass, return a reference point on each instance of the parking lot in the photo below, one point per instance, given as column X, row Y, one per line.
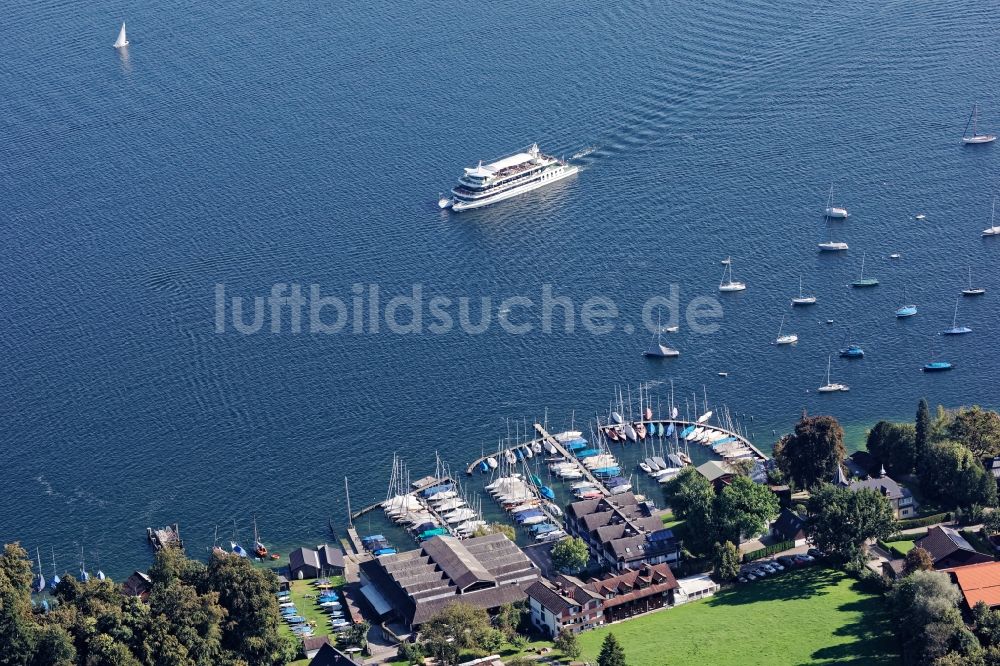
column 775, row 566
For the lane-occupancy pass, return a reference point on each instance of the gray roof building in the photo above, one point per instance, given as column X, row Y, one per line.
column 415, row 585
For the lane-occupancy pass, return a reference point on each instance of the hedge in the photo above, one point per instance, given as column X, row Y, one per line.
column 905, row 537
column 770, row 550
column 925, row 521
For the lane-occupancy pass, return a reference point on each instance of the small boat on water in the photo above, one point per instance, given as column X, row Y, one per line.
column 975, row 137
column 904, row 311
column 802, row 299
column 730, row 285
column 830, row 245
column 970, row 290
column 852, row 351
column 640, row 430
column 831, row 387
column 39, row 583
column 993, row 229
column 787, row 339
column 630, row 432
column 862, row 281
column 921, row 216
column 122, row 40
column 937, row 366
column 955, row 328
column 492, row 462
column 834, row 212
column 705, row 417
column 259, row 549
column 656, row 347
column 617, row 418
column 726, row 261
column 895, row 255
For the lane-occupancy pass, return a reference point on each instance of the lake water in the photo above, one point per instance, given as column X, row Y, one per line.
column 302, row 143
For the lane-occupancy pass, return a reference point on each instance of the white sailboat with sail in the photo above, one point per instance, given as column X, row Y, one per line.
column 122, row 40
column 955, row 328
column 976, row 137
column 788, row 339
column 993, row 229
column 970, row 290
column 656, row 347
column 730, row 284
column 834, row 212
column 830, row 245
column 831, row 387
column 802, row 299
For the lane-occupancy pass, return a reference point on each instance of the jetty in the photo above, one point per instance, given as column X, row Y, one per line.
column 168, row 537
column 552, row 443
column 680, row 424
column 418, row 485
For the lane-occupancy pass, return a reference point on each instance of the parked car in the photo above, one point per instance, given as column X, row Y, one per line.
column 803, row 559
column 769, row 568
column 760, row 572
column 777, row 565
column 741, row 579
column 751, row 577
column 787, row 560
column 816, row 553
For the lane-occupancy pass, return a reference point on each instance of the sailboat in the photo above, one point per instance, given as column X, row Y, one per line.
column 976, row 137
column 972, row 291
column 904, row 311
column 955, row 329
column 40, row 582
column 831, row 387
column 992, row 230
column 801, row 299
column 656, row 347
column 831, row 211
column 730, row 285
column 937, row 366
column 122, row 40
column 55, row 574
column 830, row 245
column 789, row 339
column 235, row 546
column 258, row 548
column 862, row 281
column 83, row 576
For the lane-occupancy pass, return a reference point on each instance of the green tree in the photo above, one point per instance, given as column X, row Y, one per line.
column 813, row 452
column 250, row 628
column 692, row 499
column 978, row 429
column 185, row 625
column 612, row 653
column 954, row 475
column 567, row 643
column 726, row 564
column 991, row 523
column 842, row 520
column 917, row 559
column 509, row 618
column 54, row 647
column 459, row 626
column 925, row 608
column 895, row 445
column 17, row 627
column 357, row 636
column 922, row 431
column 570, row 554
column 411, row 653
column 744, row 508
column 742, row 466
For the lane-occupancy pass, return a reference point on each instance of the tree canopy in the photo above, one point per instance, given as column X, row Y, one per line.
column 726, row 563
column 953, row 474
column 812, row 453
column 925, row 609
column 744, row 509
column 895, row 445
column 922, row 430
column 612, row 652
column 977, row 429
column 224, row 614
column 841, row 520
column 570, row 554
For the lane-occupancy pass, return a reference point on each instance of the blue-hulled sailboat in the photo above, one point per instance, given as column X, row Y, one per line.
column 55, row 574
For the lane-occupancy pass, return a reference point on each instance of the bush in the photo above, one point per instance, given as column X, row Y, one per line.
column 932, row 519
column 770, row 550
column 905, row 537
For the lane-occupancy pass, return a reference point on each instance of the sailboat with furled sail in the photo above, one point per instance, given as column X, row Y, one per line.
column 122, row 40
column 55, row 571
column 258, row 548
column 656, row 347
column 40, row 581
column 976, row 137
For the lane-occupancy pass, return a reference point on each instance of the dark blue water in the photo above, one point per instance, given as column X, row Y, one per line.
column 303, row 143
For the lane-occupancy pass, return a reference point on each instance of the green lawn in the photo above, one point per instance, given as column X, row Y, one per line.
column 669, row 521
column 309, row 608
column 901, row 547
column 807, row 616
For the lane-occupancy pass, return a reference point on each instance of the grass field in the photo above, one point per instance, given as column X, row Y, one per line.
column 901, row 547
column 807, row 616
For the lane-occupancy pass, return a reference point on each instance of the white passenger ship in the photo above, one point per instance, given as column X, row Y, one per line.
column 506, row 178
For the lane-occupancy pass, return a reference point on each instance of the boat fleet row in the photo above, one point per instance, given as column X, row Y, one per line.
column 437, row 509
column 328, row 599
column 520, row 498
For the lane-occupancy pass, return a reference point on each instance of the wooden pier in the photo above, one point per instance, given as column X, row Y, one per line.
column 546, row 438
column 677, row 423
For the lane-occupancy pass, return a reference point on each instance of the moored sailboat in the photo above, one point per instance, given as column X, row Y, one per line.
column 788, row 339
column 976, row 137
column 834, row 212
column 993, row 229
column 831, row 387
column 862, row 281
column 955, row 328
column 970, row 290
column 802, row 299
column 730, row 285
